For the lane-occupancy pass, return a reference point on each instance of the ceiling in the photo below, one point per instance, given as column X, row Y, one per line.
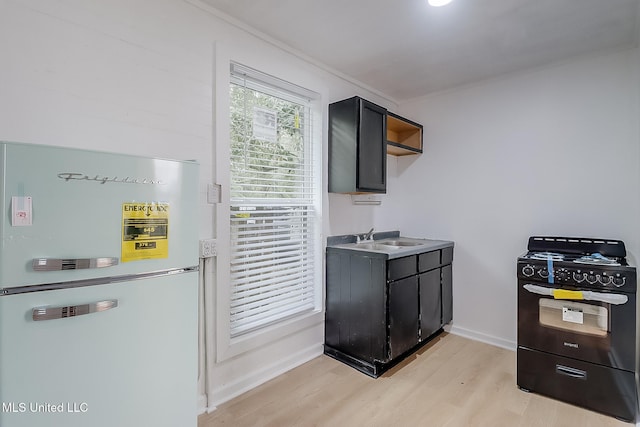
column 405, row 49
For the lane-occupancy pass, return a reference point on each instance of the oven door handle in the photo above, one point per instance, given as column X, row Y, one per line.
column 616, row 299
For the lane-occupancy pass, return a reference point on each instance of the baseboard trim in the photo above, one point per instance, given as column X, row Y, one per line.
column 202, row 405
column 478, row 336
column 266, row 373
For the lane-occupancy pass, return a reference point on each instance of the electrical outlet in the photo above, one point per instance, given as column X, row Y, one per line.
column 208, row 248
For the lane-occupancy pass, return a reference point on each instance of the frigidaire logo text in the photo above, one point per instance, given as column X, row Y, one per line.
column 570, row 344
column 70, row 176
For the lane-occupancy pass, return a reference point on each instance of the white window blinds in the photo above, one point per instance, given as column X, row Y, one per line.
column 272, row 213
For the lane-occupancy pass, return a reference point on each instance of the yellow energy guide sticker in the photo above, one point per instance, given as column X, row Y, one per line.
column 145, row 228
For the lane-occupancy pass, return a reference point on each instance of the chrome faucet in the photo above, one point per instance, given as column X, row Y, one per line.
column 364, row 237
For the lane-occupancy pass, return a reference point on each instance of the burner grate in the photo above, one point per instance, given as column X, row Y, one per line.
column 597, row 259
column 554, row 256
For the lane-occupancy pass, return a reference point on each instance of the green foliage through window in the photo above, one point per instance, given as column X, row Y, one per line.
column 266, row 168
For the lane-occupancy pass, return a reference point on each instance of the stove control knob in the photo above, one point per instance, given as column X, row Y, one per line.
column 543, row 272
column 618, row 280
column 562, row 274
column 528, row 271
column 604, row 279
column 591, row 278
column 578, row 276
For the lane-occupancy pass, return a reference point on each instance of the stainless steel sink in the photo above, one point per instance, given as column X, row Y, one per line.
column 386, row 245
column 389, row 245
column 370, row 246
column 393, row 246
column 399, row 243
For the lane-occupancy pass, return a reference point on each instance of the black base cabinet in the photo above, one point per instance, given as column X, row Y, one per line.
column 380, row 310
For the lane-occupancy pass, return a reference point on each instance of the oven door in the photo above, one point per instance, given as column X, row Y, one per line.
column 601, row 328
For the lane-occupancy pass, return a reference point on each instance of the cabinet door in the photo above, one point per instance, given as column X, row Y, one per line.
column 355, row 318
column 430, row 303
column 372, row 148
column 447, row 294
column 403, row 315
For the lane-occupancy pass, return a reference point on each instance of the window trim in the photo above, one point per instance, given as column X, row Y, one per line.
column 226, row 346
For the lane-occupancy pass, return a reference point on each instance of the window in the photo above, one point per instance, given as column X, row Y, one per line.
column 273, row 202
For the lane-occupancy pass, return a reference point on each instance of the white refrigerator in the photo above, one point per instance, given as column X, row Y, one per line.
column 98, row 289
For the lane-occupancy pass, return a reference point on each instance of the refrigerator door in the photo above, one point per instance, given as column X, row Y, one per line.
column 132, row 364
column 83, row 214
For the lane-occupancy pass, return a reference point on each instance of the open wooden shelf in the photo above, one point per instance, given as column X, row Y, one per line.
column 404, row 137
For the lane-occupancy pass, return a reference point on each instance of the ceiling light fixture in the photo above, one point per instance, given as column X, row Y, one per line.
column 438, row 3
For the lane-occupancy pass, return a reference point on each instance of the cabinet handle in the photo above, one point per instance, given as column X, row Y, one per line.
column 571, row 372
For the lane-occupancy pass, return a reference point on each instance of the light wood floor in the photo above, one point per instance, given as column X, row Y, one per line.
column 450, row 382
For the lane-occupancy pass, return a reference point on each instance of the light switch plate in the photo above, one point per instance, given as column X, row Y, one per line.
column 213, row 193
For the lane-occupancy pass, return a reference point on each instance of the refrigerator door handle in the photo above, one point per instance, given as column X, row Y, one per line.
column 55, row 264
column 50, row 313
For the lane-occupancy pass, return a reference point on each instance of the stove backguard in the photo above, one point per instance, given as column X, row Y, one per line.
column 577, row 245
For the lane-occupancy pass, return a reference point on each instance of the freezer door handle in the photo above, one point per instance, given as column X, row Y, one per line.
column 50, row 313
column 55, row 264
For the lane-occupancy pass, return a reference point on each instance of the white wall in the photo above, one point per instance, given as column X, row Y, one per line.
column 554, row 152
column 136, row 76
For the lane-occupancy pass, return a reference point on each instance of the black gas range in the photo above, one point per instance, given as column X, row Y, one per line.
column 577, row 304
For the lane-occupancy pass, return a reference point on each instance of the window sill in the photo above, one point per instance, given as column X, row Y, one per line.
column 234, row 346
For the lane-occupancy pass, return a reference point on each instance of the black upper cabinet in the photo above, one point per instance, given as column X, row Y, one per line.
column 357, row 147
